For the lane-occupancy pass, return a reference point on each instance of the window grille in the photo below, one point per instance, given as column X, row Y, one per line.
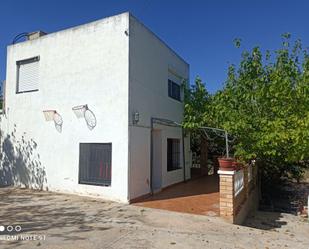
column 173, row 154
column 95, row 163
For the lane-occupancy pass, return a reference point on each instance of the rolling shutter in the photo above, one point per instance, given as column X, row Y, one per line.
column 28, row 75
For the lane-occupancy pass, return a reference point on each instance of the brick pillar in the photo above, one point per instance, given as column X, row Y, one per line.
column 227, row 204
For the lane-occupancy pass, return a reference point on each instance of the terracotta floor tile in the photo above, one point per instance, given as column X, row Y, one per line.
column 199, row 196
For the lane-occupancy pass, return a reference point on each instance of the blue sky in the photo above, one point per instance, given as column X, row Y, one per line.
column 202, row 32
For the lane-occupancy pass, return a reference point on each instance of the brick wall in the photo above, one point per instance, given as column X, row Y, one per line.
column 226, row 196
column 235, row 204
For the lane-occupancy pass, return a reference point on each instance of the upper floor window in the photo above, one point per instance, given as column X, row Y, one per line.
column 28, row 75
column 174, row 90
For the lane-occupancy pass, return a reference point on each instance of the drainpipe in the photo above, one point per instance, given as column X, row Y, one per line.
column 183, row 154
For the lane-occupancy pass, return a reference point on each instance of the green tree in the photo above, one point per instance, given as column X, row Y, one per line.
column 197, row 102
column 264, row 104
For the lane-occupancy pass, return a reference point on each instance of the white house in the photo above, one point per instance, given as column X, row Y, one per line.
column 94, row 110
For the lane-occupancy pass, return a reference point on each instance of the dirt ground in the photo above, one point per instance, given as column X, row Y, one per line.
column 66, row 221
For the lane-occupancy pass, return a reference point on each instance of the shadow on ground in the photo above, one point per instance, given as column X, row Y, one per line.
column 285, row 198
column 265, row 220
column 61, row 216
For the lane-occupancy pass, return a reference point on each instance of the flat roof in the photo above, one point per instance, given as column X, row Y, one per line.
column 97, row 21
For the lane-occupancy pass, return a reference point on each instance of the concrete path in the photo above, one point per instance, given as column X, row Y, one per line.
column 66, row 221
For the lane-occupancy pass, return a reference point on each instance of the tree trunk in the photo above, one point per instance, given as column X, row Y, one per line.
column 204, row 156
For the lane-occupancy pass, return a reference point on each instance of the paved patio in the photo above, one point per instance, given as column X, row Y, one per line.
column 198, row 196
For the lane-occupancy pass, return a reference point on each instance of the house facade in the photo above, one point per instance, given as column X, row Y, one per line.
column 95, row 110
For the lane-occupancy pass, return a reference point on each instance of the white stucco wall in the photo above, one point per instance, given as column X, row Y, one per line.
column 174, row 176
column 150, row 63
column 115, row 74
column 87, row 64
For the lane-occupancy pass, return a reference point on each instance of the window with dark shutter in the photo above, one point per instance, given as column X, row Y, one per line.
column 174, row 90
column 173, row 154
column 95, row 163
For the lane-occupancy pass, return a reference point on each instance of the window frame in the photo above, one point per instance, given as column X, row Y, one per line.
column 172, row 154
column 81, row 178
column 172, row 84
column 23, row 62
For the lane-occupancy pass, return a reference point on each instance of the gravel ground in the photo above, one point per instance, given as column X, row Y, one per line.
column 67, row 221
